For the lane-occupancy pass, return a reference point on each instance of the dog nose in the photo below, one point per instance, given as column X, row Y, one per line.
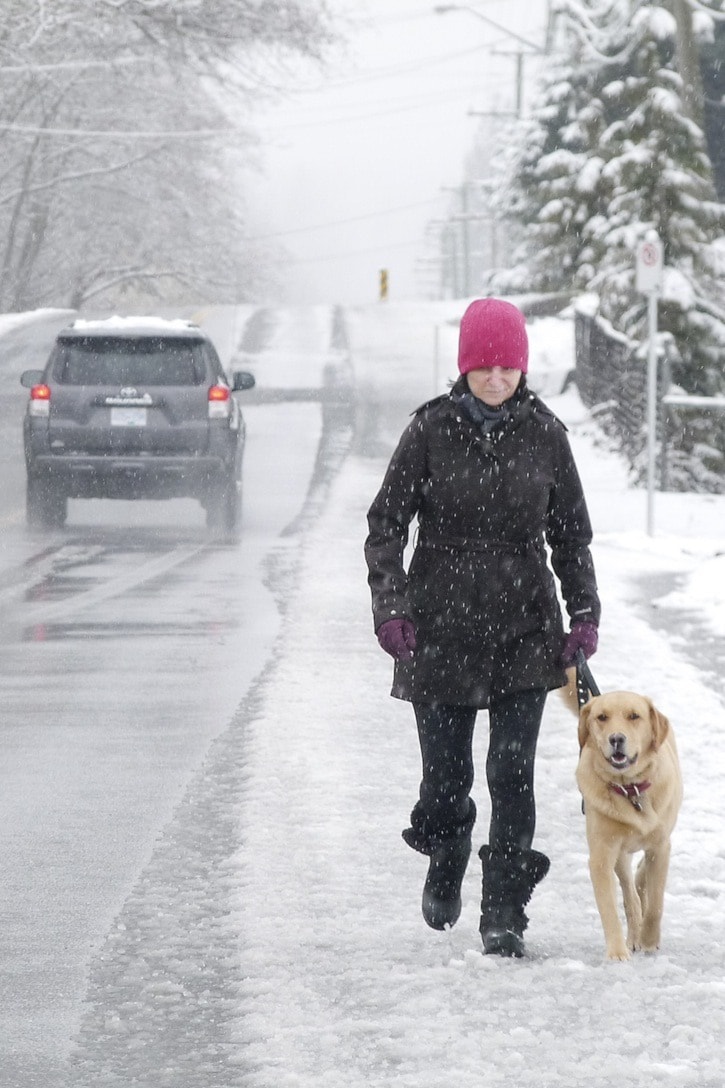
column 617, row 740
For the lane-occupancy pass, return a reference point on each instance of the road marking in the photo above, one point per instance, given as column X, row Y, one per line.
column 115, row 587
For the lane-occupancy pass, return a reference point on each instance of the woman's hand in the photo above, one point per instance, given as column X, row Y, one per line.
column 583, row 636
column 397, row 638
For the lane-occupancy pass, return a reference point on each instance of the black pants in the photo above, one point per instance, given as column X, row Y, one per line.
column 446, row 745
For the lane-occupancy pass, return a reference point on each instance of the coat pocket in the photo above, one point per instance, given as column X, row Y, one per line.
column 442, row 589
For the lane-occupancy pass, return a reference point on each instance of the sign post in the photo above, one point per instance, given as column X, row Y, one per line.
column 648, row 280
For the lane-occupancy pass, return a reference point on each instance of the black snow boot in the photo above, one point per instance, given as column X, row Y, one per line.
column 508, row 882
column 441, row 904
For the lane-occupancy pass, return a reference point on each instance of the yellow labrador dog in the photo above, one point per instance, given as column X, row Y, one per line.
column 629, row 777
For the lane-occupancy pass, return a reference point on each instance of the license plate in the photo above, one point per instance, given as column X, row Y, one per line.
column 128, row 417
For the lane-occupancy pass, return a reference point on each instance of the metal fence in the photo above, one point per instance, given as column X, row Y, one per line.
column 611, row 376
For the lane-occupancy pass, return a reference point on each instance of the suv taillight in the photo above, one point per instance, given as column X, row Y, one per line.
column 40, row 400
column 220, row 402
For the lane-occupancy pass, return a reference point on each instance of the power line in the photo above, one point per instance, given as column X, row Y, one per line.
column 73, row 65
column 210, row 133
column 426, row 102
column 118, row 134
column 395, row 71
column 342, row 222
column 383, row 248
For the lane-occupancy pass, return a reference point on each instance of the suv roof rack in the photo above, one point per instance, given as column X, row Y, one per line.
column 133, row 326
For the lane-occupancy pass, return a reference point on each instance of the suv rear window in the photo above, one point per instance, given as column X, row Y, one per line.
column 121, row 361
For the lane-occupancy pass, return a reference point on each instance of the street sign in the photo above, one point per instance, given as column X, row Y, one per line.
column 650, row 261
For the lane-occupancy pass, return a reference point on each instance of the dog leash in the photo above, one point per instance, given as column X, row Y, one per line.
column 586, row 685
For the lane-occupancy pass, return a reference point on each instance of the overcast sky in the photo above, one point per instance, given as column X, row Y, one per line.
column 359, row 163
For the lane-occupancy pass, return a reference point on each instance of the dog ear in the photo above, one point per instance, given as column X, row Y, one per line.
column 660, row 726
column 583, row 725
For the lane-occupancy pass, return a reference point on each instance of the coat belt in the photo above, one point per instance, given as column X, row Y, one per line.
column 478, row 544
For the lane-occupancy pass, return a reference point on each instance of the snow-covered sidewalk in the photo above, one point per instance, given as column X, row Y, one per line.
column 343, row 984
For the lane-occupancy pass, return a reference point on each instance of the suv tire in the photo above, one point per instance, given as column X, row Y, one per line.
column 224, row 506
column 46, row 507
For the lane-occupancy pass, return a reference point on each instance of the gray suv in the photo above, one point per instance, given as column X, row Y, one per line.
column 133, row 408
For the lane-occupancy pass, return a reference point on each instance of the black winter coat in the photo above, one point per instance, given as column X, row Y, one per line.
column 479, row 588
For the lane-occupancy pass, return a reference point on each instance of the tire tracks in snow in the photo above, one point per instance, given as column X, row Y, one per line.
column 165, row 989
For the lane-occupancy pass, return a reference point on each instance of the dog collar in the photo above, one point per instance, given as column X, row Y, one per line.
column 631, row 791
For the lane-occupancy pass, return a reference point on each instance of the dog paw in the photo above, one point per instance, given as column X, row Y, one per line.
column 650, row 937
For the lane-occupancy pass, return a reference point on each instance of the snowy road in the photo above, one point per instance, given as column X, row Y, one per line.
column 128, row 641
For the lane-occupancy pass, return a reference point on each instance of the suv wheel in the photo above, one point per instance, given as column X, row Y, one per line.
column 46, row 507
column 224, row 506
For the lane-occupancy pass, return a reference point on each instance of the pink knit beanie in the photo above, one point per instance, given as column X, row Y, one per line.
column 493, row 333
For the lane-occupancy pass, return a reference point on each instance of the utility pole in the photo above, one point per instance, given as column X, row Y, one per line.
column 519, row 56
column 464, row 220
column 531, row 47
column 450, row 265
column 466, row 239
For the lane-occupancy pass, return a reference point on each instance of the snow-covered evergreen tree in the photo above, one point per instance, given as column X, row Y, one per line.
column 608, row 155
column 554, row 183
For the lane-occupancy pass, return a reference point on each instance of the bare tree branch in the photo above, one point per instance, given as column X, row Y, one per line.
column 80, row 77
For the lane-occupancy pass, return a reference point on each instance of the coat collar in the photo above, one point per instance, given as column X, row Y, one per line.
column 521, row 405
column 515, row 410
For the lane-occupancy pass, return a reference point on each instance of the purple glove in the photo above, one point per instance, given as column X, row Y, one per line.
column 397, row 638
column 583, row 636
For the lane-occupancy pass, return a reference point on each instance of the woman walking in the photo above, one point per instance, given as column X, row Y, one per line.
column 475, row 622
